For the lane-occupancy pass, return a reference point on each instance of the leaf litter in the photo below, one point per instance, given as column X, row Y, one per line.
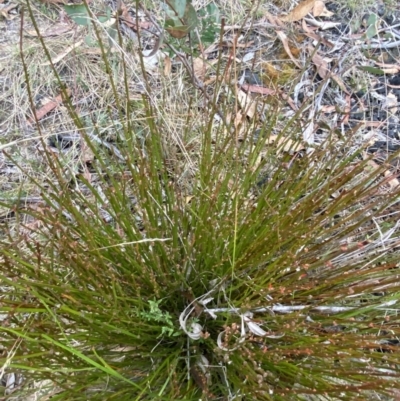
column 318, row 39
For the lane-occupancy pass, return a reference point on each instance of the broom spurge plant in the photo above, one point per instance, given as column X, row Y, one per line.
column 240, row 270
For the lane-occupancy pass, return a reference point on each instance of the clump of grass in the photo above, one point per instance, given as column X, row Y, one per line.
column 152, row 273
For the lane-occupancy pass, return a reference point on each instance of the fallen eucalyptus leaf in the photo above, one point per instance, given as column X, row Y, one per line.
column 300, row 11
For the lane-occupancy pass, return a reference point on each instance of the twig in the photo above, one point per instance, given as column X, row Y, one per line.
column 295, row 308
column 391, row 29
column 247, row 26
column 386, row 45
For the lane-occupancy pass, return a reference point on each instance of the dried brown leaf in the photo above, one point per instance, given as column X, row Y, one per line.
column 289, row 101
column 246, row 103
column 127, row 19
column 167, row 66
column 340, row 82
column 305, row 27
column 239, row 118
column 284, row 144
column 326, row 13
column 320, row 63
column 258, row 89
column 318, row 8
column 5, row 11
column 49, row 106
column 125, row 16
column 300, row 11
column 199, row 68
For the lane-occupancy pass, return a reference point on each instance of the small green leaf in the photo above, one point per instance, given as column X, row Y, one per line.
column 178, row 7
column 209, row 17
column 372, row 70
column 372, row 26
column 213, row 12
column 191, row 17
column 103, row 18
column 372, row 19
column 78, row 13
column 171, row 22
column 371, row 31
